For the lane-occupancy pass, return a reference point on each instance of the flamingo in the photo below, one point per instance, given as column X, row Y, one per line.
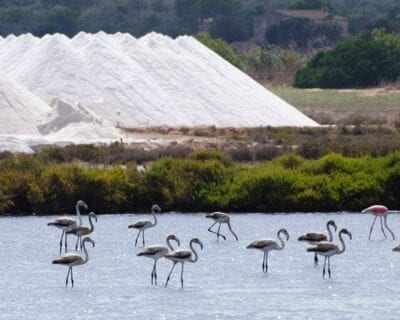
column 68, row 223
column 220, row 217
column 381, row 212
column 158, row 251
column 142, row 225
column 328, row 249
column 267, row 245
column 73, row 259
column 316, row 237
column 183, row 256
column 80, row 232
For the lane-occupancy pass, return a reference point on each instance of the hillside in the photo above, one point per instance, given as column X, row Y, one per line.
column 173, row 17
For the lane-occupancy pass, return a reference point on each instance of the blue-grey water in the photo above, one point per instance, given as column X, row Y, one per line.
column 226, row 283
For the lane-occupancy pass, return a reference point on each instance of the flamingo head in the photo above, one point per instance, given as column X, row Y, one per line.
column 333, row 224
column 88, row 239
column 196, row 240
column 82, row 203
column 284, row 231
column 175, row 238
column 155, row 208
column 345, row 231
column 92, row 214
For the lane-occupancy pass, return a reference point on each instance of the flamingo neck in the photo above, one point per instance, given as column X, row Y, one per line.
column 154, row 217
column 330, row 235
column 91, row 223
column 281, row 241
column 78, row 214
column 196, row 257
column 343, row 244
column 169, row 244
column 86, row 257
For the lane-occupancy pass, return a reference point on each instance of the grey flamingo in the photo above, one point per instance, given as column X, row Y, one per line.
column 68, row 223
column 314, row 238
column 183, row 256
column 220, row 217
column 80, row 232
column 266, row 245
column 73, row 259
column 156, row 252
column 142, row 225
column 382, row 212
column 329, row 249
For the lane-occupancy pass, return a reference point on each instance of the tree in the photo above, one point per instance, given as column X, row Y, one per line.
column 220, row 47
column 365, row 60
column 311, row 5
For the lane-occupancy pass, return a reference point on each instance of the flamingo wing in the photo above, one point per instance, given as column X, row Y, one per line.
column 153, row 250
column 179, row 254
column 68, row 258
column 313, row 237
column 262, row 244
column 140, row 224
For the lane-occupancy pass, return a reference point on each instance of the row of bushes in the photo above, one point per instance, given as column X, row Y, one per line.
column 204, row 181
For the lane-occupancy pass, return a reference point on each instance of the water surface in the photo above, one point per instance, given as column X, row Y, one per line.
column 226, row 282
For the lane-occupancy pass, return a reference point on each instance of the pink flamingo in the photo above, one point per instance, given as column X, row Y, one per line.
column 381, row 212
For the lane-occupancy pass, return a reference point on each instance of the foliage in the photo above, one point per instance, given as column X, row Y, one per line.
column 205, row 181
column 311, row 5
column 220, row 47
column 303, row 33
column 366, row 60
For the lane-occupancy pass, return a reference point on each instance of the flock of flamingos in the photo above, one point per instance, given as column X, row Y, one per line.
column 322, row 243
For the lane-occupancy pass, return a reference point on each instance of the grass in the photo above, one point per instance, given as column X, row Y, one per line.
column 366, row 100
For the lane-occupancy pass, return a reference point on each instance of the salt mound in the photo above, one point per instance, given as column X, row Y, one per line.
column 21, row 111
column 97, row 82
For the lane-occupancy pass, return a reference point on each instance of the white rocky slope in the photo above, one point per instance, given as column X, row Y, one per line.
column 85, row 87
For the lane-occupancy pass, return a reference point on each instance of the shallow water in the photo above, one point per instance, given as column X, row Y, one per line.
column 226, row 283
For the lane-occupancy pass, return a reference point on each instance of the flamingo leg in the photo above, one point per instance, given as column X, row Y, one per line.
column 143, row 237
column 153, row 272
column 315, row 259
column 169, row 275
column 137, row 237
column 372, row 227
column 182, row 275
column 266, row 261
column 323, row 270
column 76, row 245
column 81, row 242
column 66, row 280
column 62, row 236
column 212, row 231
column 387, row 227
column 72, row 278
column 263, row 263
column 230, row 229
column 66, row 242
column 383, row 230
column 219, row 228
column 329, row 267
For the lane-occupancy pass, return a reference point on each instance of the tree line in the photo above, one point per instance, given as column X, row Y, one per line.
column 204, row 181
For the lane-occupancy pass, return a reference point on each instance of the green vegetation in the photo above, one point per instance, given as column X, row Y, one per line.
column 202, row 182
column 366, row 60
column 220, row 47
column 231, row 19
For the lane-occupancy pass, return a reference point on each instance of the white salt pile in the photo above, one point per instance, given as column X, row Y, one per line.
column 102, row 81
